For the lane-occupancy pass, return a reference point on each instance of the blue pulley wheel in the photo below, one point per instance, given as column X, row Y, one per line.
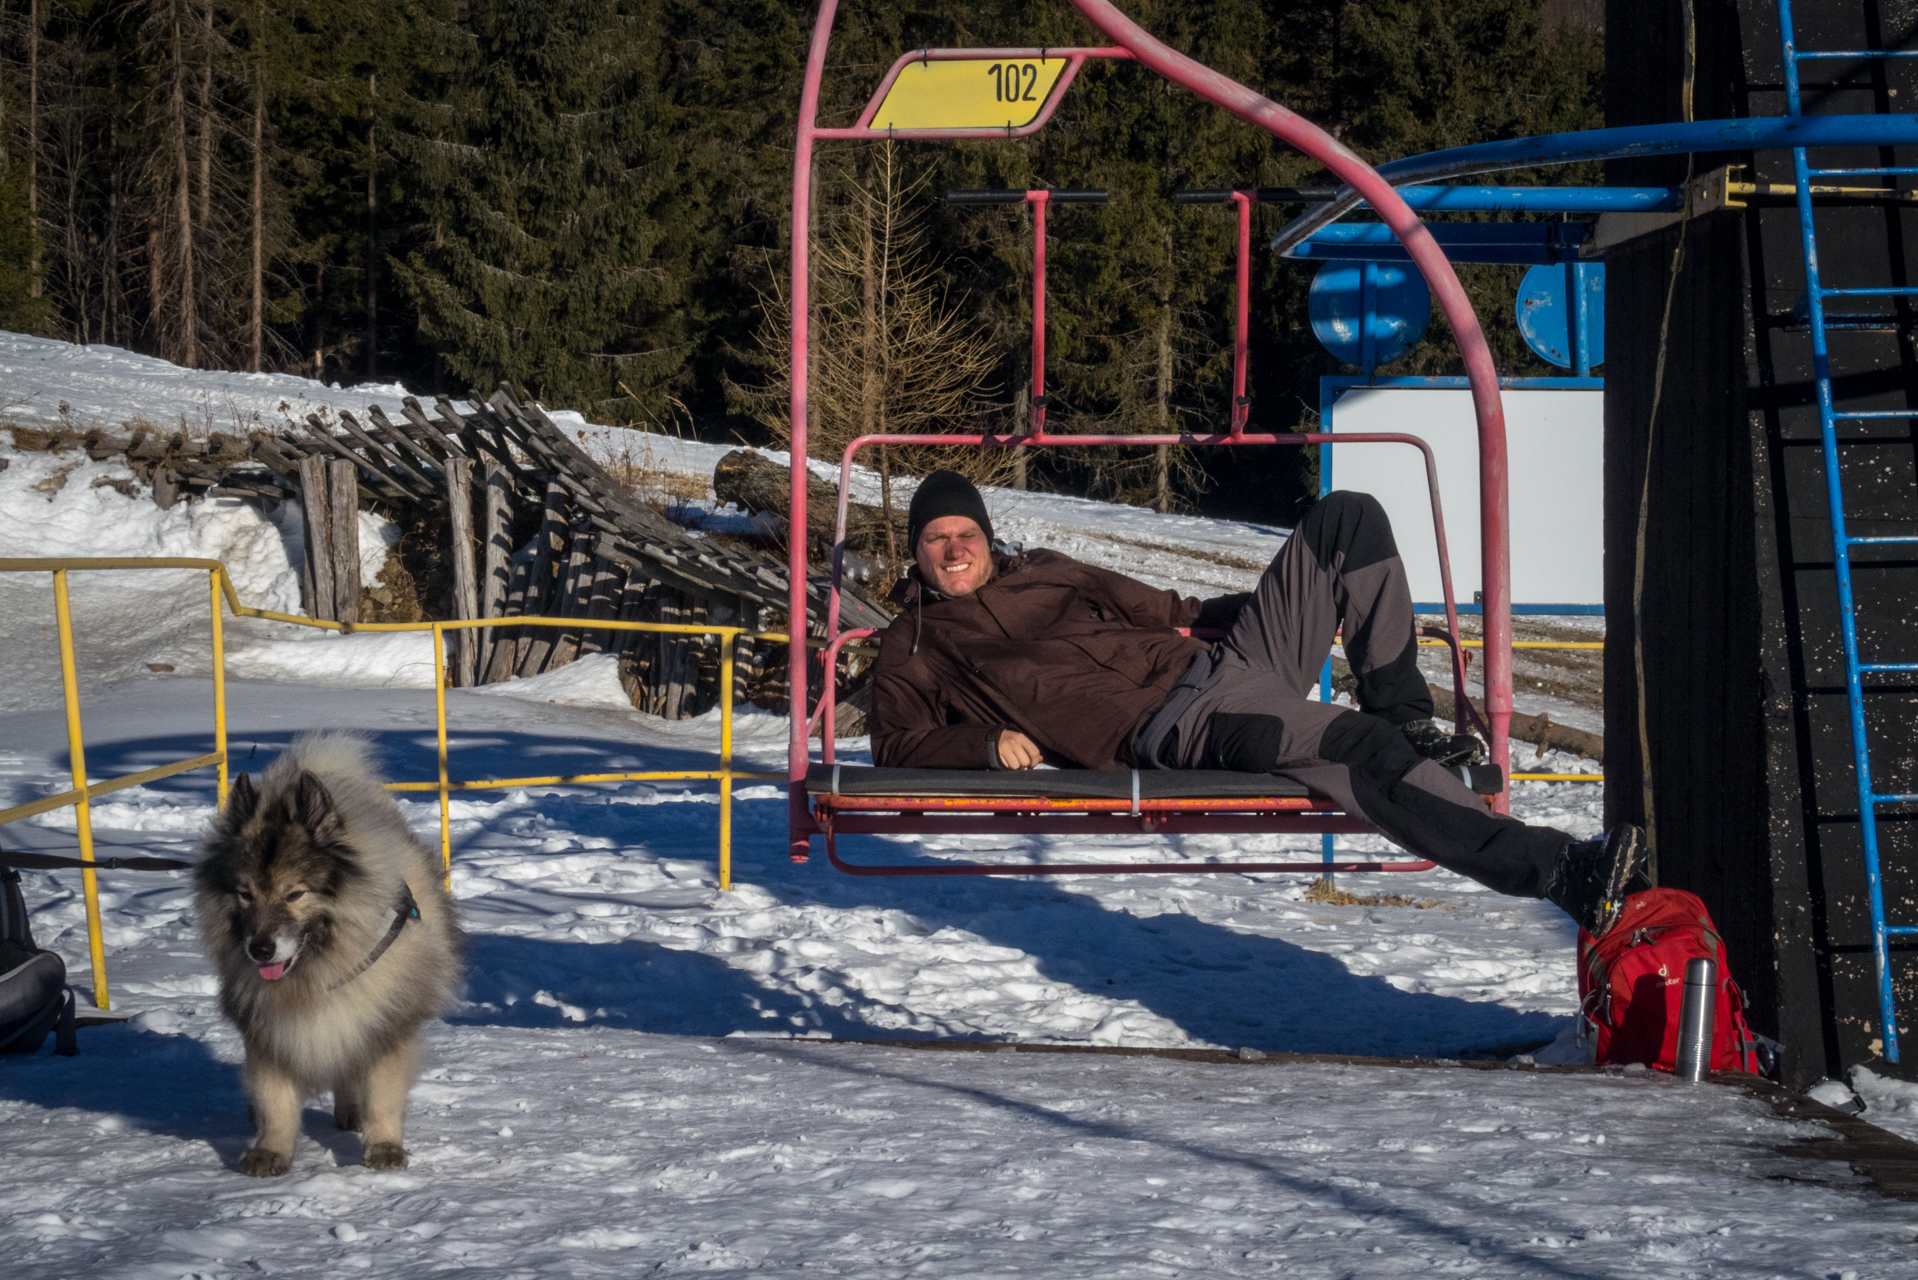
column 1567, row 336
column 1369, row 313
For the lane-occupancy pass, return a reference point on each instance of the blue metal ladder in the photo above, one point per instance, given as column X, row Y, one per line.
column 1842, row 542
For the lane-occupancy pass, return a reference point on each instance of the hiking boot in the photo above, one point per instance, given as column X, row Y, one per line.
column 1592, row 877
column 1431, row 740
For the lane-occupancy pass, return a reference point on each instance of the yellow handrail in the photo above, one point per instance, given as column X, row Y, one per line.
column 81, row 793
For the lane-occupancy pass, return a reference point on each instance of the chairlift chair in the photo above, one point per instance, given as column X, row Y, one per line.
column 828, row 798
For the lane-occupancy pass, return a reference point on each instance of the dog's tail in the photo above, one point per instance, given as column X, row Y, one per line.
column 333, row 753
column 346, row 764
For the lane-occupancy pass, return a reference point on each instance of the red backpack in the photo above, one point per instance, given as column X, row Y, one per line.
column 1631, row 983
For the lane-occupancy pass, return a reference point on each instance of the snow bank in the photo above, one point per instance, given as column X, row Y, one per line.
column 1889, row 1104
column 592, row 681
column 48, row 383
column 128, row 623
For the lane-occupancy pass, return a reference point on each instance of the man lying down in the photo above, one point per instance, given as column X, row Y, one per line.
column 1009, row 661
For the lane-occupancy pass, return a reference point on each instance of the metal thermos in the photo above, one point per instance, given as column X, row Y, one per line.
column 1695, row 1019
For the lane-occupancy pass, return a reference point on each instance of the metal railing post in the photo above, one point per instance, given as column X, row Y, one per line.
column 439, row 715
column 727, row 643
column 82, row 810
column 219, row 685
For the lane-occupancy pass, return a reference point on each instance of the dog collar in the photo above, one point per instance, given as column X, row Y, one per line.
column 406, row 910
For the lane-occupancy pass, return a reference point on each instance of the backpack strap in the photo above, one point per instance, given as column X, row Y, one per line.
column 14, row 926
column 65, row 1043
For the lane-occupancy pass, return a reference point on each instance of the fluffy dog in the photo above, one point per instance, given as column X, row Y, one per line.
column 334, row 940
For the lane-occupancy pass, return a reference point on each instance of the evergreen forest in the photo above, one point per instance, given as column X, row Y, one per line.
column 589, row 198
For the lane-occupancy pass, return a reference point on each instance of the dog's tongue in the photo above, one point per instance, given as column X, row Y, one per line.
column 272, row 972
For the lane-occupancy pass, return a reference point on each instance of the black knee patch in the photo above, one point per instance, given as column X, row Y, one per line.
column 1244, row 743
column 1352, row 523
column 1396, row 691
column 1370, row 748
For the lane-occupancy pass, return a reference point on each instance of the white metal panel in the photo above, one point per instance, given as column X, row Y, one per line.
column 1555, row 448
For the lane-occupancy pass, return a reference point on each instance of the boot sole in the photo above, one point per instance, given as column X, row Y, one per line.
column 1626, row 850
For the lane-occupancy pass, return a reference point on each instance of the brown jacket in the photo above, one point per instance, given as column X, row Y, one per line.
column 1074, row 657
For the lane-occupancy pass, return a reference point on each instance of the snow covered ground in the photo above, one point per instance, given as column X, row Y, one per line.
column 628, row 1085
column 631, row 1082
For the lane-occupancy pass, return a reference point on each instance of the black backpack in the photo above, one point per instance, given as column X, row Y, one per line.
column 34, row 998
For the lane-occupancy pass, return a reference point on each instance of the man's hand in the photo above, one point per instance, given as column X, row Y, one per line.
column 1016, row 751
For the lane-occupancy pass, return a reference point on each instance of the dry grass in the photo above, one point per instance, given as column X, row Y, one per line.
column 640, row 472
column 1324, row 891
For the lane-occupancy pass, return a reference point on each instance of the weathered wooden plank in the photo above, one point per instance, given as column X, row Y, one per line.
column 280, row 454
column 427, row 428
column 399, row 469
column 505, row 650
column 343, row 523
column 536, row 642
column 496, row 533
column 318, row 432
column 459, row 507
column 608, row 585
column 386, row 430
column 477, row 425
column 633, row 607
column 316, row 564
column 680, row 664
column 575, row 587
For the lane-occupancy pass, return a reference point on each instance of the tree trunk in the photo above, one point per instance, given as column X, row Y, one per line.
column 205, row 132
column 188, row 319
column 343, row 508
column 372, row 237
column 256, row 315
column 156, row 255
column 33, row 142
column 316, row 568
column 459, row 508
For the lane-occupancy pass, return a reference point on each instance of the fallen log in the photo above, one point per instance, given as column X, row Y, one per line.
column 1537, row 730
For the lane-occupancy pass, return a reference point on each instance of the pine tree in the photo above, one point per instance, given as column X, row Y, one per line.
column 21, row 311
column 893, row 350
column 569, row 174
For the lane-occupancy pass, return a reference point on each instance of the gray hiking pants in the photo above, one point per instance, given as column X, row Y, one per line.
column 1252, row 710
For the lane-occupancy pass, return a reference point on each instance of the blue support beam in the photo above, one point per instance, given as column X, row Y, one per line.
column 1768, row 133
column 1514, row 242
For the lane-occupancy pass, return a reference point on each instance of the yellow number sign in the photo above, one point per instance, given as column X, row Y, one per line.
column 973, row 94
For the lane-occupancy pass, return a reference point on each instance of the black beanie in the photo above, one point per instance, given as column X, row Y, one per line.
column 944, row 493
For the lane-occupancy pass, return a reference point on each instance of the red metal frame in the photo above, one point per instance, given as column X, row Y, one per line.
column 1242, row 202
column 1037, row 409
column 1132, row 42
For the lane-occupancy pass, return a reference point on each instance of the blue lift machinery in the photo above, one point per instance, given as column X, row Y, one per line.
column 1761, row 475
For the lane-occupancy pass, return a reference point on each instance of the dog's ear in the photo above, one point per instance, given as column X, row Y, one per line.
column 314, row 809
column 242, row 800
